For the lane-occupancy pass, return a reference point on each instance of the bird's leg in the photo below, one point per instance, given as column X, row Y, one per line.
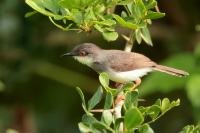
column 137, row 83
column 116, row 85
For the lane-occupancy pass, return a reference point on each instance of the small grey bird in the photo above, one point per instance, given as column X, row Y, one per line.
column 121, row 66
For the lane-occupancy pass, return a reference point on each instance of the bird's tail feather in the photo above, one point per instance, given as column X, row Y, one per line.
column 171, row 71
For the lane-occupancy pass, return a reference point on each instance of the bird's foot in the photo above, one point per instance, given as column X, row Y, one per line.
column 119, row 99
column 137, row 83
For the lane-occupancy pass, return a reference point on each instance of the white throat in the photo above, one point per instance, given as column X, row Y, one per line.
column 84, row 60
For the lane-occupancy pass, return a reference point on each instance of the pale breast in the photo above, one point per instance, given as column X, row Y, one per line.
column 128, row 76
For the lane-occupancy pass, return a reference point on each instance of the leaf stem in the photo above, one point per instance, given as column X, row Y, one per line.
column 61, row 27
column 157, row 8
column 129, row 13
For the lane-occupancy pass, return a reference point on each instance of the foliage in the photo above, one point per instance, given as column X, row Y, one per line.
column 187, row 61
column 135, row 117
column 191, row 129
column 87, row 15
column 99, row 15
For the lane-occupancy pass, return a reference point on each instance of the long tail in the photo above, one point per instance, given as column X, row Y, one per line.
column 171, row 71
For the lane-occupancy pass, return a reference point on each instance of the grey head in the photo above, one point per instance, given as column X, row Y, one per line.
column 85, row 49
column 85, row 53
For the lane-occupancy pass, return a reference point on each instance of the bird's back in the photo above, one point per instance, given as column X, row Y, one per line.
column 127, row 61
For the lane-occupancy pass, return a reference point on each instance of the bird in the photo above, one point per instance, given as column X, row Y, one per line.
column 121, row 66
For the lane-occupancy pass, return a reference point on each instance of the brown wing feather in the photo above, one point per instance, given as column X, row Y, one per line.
column 127, row 61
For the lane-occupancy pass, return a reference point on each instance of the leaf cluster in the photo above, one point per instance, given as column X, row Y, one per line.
column 135, row 117
column 99, row 15
column 191, row 129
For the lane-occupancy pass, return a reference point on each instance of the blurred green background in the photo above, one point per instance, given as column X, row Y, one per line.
column 37, row 87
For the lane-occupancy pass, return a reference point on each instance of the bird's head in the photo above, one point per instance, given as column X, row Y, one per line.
column 84, row 53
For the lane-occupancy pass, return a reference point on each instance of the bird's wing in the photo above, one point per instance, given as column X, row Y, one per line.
column 127, row 61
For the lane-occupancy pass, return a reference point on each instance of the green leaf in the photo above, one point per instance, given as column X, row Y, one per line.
column 138, row 10
column 110, row 36
column 107, row 117
column 158, row 102
column 109, row 29
column 142, row 109
column 83, row 101
column 146, row 35
column 191, row 129
column 77, row 16
column 149, row 4
column 124, row 2
column 89, row 15
column 117, row 123
column 154, row 15
column 104, row 79
column 145, row 129
column 133, row 118
column 94, row 124
column 88, row 119
column 84, row 128
column 96, row 98
column 60, row 26
column 29, row 14
column 175, row 103
column 107, row 22
column 141, row 5
column 70, row 4
column 138, row 36
column 99, row 28
column 131, row 98
column 153, row 111
column 99, row 8
column 101, row 126
column 193, row 89
column 123, row 23
column 108, row 101
column 52, row 5
column 128, row 86
column 124, row 14
column 38, row 6
column 81, row 95
column 165, row 105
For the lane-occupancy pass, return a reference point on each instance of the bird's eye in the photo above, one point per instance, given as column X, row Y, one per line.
column 83, row 53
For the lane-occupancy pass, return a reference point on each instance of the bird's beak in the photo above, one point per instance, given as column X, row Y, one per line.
column 67, row 54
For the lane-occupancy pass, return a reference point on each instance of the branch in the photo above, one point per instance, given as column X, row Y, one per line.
column 119, row 102
column 101, row 110
column 129, row 41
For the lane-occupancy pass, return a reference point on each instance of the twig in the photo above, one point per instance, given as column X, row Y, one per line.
column 157, row 8
column 119, row 102
column 129, row 41
column 110, row 10
column 101, row 110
